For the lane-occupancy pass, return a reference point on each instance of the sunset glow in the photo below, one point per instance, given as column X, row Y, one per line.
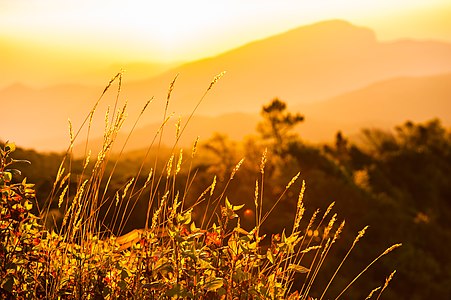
column 44, row 42
column 187, row 30
column 59, row 53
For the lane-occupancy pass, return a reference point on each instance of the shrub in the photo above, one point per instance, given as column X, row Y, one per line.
column 174, row 256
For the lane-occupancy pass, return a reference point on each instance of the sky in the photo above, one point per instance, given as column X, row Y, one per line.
column 47, row 42
column 186, row 30
column 62, row 43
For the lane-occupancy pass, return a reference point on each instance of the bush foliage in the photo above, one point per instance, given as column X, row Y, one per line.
column 200, row 237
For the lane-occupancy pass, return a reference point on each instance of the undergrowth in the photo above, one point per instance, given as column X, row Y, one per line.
column 174, row 256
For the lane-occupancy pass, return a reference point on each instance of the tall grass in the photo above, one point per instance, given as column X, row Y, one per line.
column 87, row 256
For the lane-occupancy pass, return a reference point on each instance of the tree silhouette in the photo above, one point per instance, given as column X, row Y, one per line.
column 277, row 124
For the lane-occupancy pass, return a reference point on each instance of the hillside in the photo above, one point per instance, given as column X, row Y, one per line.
column 398, row 185
column 304, row 65
column 235, row 125
column 381, row 105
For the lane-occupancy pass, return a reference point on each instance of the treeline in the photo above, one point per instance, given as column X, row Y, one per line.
column 396, row 182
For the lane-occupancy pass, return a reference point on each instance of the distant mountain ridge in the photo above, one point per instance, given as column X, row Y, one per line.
column 417, row 98
column 304, row 65
column 369, row 107
column 382, row 105
column 235, row 126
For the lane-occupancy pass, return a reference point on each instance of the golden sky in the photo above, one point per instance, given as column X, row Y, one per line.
column 44, row 43
column 64, row 36
column 185, row 30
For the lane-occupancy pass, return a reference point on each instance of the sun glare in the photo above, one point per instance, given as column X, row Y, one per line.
column 185, row 30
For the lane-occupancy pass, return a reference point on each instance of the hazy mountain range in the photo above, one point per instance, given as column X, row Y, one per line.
column 338, row 75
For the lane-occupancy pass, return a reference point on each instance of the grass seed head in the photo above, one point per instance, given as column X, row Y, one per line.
column 391, row 248
column 216, row 79
column 71, row 133
column 177, row 127
column 372, row 293
column 169, row 166
column 193, row 151
column 212, row 186
column 256, row 194
column 263, row 161
column 179, row 162
column 360, row 235
column 236, row 168
column 61, row 198
column 293, row 180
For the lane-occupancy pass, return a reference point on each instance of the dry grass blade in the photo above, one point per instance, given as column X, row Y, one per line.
column 280, row 197
column 172, row 257
column 61, row 198
column 299, row 208
column 372, row 293
column 387, row 281
column 358, row 237
column 393, row 247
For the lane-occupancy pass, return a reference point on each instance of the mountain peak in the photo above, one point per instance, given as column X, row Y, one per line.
column 335, row 32
column 330, row 35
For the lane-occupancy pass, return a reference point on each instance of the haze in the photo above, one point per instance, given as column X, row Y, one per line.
column 43, row 41
column 57, row 57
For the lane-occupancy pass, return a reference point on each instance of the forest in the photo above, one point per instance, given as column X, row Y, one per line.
column 397, row 182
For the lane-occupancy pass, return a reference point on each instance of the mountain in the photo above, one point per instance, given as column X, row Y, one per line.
column 132, row 72
column 383, row 105
column 235, row 125
column 301, row 66
column 416, row 98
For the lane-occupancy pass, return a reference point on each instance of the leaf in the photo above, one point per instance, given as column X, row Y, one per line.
column 283, row 238
column 241, row 275
column 203, row 264
column 270, row 256
column 21, row 161
column 193, row 227
column 7, row 176
column 292, row 239
column 14, row 172
column 252, row 246
column 214, row 284
column 153, row 285
column 227, row 203
column 8, row 284
column 124, row 274
column 221, row 292
column 175, row 291
column 240, row 230
column 28, row 205
column 298, row 268
column 10, row 147
column 185, row 218
column 122, row 285
column 165, row 267
column 233, row 247
column 237, row 207
column 232, row 207
column 194, row 235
